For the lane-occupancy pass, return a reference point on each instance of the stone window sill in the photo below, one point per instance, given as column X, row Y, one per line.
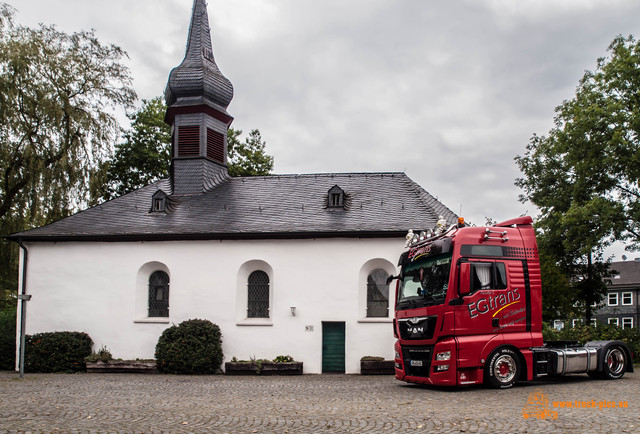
column 255, row 322
column 152, row 320
column 375, row 320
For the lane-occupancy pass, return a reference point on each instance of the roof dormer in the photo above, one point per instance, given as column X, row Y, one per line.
column 336, row 198
column 159, row 202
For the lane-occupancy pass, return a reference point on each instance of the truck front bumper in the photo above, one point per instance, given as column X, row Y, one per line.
column 425, row 364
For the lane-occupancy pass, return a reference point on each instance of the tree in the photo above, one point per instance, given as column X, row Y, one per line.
column 142, row 158
column 56, row 123
column 145, row 154
column 557, row 293
column 248, row 158
column 584, row 176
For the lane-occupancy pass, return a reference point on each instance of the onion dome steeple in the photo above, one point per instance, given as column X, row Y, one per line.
column 198, row 78
column 197, row 96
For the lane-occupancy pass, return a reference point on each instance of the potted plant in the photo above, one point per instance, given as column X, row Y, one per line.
column 102, row 361
column 243, row 367
column 374, row 365
column 282, row 365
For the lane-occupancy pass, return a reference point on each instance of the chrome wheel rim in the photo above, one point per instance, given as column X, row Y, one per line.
column 504, row 369
column 615, row 361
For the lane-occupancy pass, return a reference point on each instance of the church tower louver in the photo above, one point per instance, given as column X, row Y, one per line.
column 197, row 96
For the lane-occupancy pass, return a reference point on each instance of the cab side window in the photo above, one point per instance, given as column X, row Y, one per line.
column 488, row 275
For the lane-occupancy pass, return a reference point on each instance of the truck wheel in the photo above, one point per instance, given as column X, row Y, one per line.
column 503, row 368
column 614, row 363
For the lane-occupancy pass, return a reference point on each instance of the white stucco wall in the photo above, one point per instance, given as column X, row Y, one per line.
column 101, row 289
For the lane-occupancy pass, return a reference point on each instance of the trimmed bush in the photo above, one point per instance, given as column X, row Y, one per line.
column 56, row 351
column 8, row 339
column 608, row 332
column 192, row 347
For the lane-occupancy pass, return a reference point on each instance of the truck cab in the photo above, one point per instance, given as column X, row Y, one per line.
column 469, row 308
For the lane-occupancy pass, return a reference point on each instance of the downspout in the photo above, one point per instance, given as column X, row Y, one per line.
column 23, row 297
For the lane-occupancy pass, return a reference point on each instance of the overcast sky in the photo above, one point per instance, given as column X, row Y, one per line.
column 448, row 92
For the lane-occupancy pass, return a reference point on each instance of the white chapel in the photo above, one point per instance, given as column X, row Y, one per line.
column 283, row 264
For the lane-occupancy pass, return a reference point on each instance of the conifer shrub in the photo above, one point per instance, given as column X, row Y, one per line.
column 56, row 351
column 192, row 347
column 7, row 339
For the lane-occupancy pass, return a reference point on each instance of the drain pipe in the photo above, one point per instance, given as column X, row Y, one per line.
column 23, row 297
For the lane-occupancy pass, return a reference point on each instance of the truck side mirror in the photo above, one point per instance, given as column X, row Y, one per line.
column 464, row 280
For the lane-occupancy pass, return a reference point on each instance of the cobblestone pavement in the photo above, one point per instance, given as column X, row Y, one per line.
column 309, row 403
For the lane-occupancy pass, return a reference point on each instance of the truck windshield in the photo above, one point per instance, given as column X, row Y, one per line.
column 424, row 282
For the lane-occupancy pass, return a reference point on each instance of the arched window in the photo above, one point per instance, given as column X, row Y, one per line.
column 377, row 294
column 258, row 295
column 159, row 294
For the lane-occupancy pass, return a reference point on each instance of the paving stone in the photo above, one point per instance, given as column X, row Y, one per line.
column 136, row 403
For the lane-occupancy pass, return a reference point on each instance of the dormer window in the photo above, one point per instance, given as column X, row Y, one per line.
column 159, row 201
column 335, row 197
column 158, row 204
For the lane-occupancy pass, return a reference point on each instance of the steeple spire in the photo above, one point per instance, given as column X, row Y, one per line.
column 197, row 96
column 198, row 76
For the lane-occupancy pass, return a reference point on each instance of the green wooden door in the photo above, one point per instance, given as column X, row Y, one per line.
column 333, row 346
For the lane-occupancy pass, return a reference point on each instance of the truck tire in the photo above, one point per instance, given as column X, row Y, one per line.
column 614, row 363
column 502, row 369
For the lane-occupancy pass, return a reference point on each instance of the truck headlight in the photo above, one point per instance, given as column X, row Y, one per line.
column 445, row 355
column 397, row 355
column 440, row 368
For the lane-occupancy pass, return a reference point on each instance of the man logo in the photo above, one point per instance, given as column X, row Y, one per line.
column 412, row 325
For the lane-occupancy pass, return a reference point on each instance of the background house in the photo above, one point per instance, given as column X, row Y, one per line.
column 284, row 264
column 621, row 305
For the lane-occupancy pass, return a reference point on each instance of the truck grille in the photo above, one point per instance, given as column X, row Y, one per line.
column 417, row 361
column 417, row 328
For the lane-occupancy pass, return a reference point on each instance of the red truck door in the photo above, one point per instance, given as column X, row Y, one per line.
column 493, row 303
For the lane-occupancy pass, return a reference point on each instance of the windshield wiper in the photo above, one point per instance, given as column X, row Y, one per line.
column 412, row 302
column 430, row 300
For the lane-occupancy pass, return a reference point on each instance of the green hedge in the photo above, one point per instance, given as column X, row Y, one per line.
column 56, row 352
column 583, row 334
column 192, row 347
column 8, row 339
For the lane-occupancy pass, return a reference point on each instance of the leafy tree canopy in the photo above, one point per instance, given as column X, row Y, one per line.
column 585, row 174
column 145, row 154
column 57, row 92
column 55, row 122
column 248, row 158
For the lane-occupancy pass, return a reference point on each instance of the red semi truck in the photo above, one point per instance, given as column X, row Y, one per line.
column 469, row 311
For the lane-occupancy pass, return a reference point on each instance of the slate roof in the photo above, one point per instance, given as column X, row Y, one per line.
column 629, row 272
column 274, row 206
column 203, row 202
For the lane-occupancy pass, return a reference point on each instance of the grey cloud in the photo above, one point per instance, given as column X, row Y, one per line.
column 449, row 91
